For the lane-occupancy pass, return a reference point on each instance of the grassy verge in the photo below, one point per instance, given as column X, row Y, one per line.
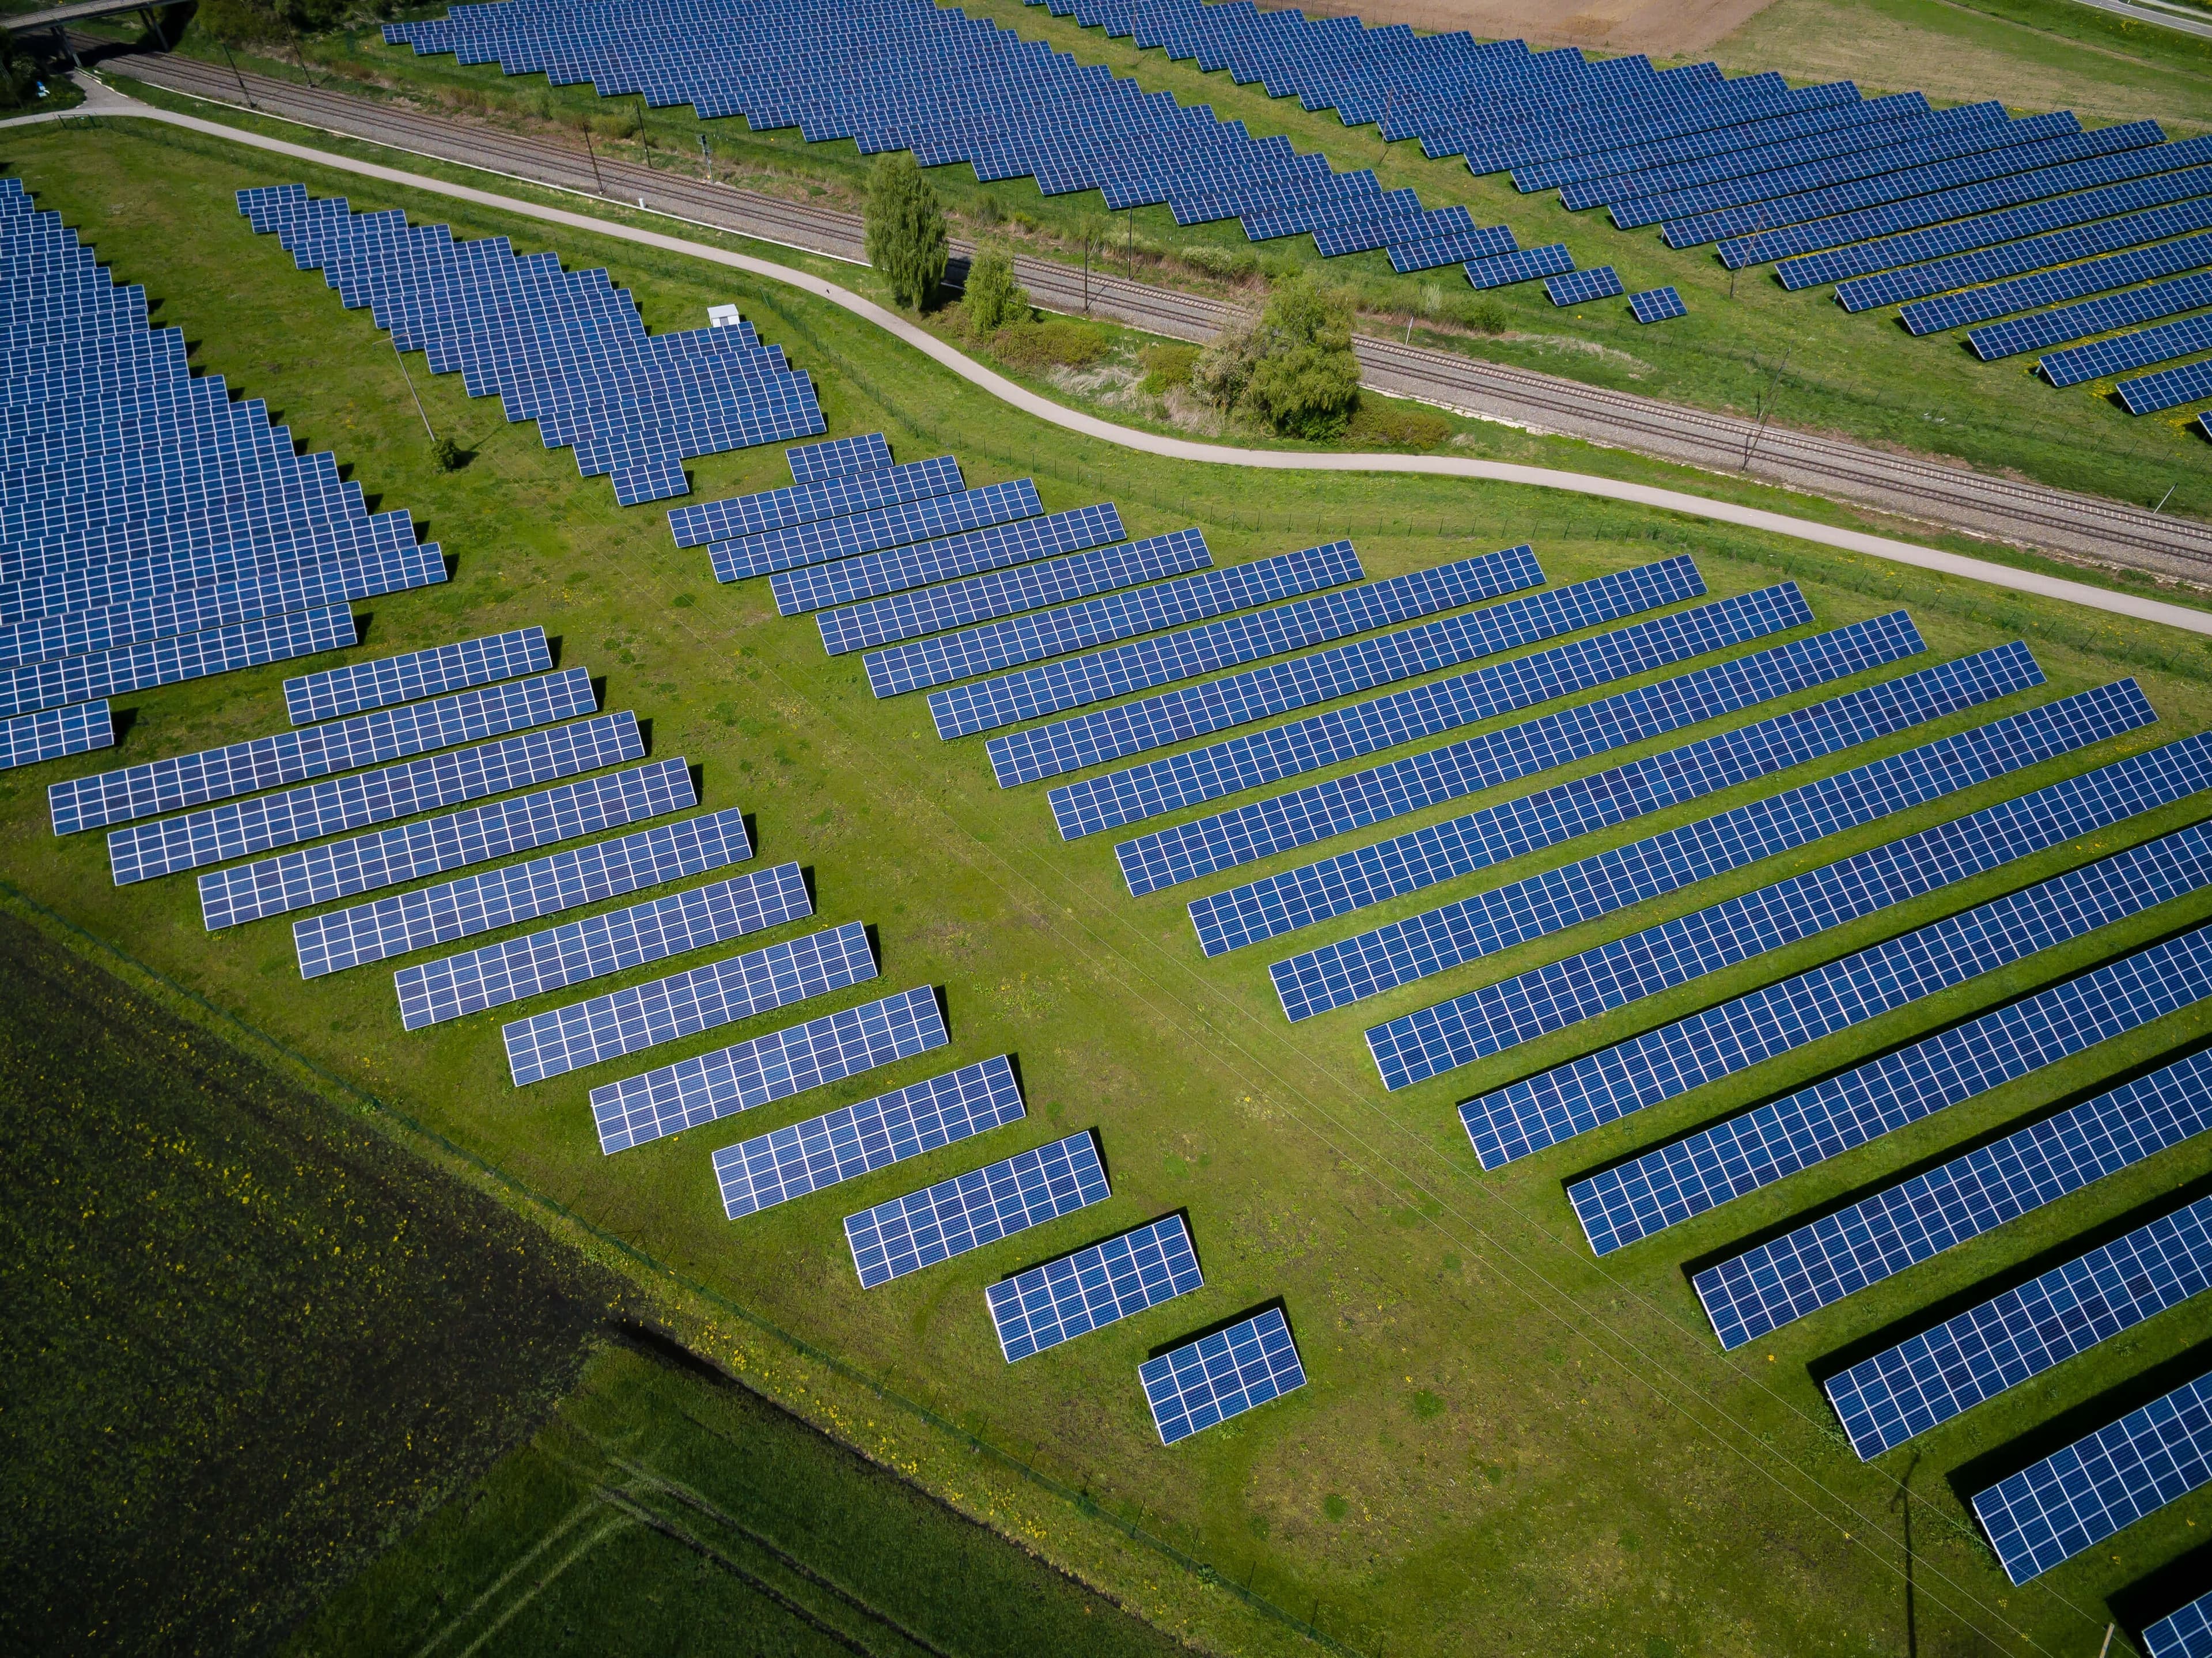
column 1458, row 1461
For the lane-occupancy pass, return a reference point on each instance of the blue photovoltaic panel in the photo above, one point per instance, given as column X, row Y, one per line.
column 810, row 463
column 1917, row 1219
column 2078, row 248
column 1241, row 763
column 336, row 692
column 173, row 661
column 295, row 757
column 523, row 892
column 1175, row 716
column 2069, row 281
column 2186, row 1634
column 801, row 545
column 624, row 1021
column 1658, row 305
column 1221, row 1376
column 240, row 828
column 848, row 580
column 1247, row 834
column 1229, row 641
column 970, row 1211
column 772, row 1067
column 1437, row 940
column 2008, row 1339
column 2100, row 358
column 596, row 945
column 1422, row 1044
column 909, row 615
column 2168, row 389
column 1763, row 1146
column 1369, row 874
column 1636, row 1075
column 431, row 846
column 1525, row 264
column 804, row 503
column 1079, row 626
column 2099, row 1484
column 49, row 735
column 1079, row 1293
column 857, row 1139
column 2079, row 322
column 1580, row 287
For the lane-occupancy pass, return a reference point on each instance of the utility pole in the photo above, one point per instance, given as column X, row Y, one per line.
column 1129, row 246
column 2162, row 499
column 598, row 182
column 706, row 161
column 644, row 137
column 411, row 392
column 233, row 62
column 1765, row 407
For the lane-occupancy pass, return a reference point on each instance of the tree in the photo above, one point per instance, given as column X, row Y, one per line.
column 1305, row 383
column 907, row 239
column 994, row 298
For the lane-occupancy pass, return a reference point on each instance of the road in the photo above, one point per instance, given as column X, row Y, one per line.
column 2157, row 16
column 1923, row 490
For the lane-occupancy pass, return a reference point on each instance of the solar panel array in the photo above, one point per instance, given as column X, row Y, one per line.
column 2079, row 322
column 522, row 892
column 1247, row 834
column 2013, row 1337
column 2102, row 358
column 1521, row 266
column 1440, row 1038
column 857, row 1139
column 565, row 349
column 970, row 1211
column 1221, row 1376
column 1821, row 1263
column 2077, row 247
column 2108, row 1479
column 1108, row 1282
column 1033, row 693
column 1436, row 940
column 432, row 846
column 1175, row 716
column 865, row 451
column 816, row 587
column 336, row 692
column 1580, row 287
column 642, row 1015
column 805, row 503
column 152, row 530
column 815, row 541
column 754, row 1073
column 2184, row 1634
column 1367, row 875
column 2168, row 389
column 1157, row 786
column 615, row 942
column 1636, row 1075
column 1760, row 1147
column 1658, row 305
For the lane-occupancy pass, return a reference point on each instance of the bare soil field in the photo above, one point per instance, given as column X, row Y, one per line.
column 1663, row 29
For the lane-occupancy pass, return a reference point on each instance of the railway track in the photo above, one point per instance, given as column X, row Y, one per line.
column 1926, row 491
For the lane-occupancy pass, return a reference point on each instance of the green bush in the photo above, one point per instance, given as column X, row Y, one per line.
column 1304, row 379
column 1227, row 263
column 1487, row 316
column 1396, row 426
column 907, row 239
column 1167, row 367
column 994, row 298
column 1056, row 342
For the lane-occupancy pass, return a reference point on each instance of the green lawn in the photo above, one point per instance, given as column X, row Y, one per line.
column 1501, row 1434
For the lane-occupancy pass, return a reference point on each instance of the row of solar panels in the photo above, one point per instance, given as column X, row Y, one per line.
column 567, row 349
column 152, row 530
column 1047, row 659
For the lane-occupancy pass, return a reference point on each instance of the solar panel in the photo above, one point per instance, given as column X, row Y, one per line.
column 2184, row 1634
column 1230, row 640
column 1247, row 834
column 857, row 1139
column 30, row 689
column 1839, row 1255
column 804, row 503
column 1761, row 1147
column 813, row 543
column 1157, row 786
column 1658, row 305
column 870, row 451
column 767, row 1068
column 848, row 580
column 1079, row 1293
column 596, row 945
column 1522, row 265
column 336, row 692
column 624, row 1021
column 295, row 757
column 1723, row 1040
column 970, row 1211
column 2077, row 246
column 1174, row 716
column 1495, row 1017
column 1221, row 1376
column 522, row 892
column 2101, row 1482
column 2168, row 389
column 241, row 828
column 2010, row 1338
column 54, row 733
column 905, row 616
column 2100, row 358
column 1369, row 874
column 1580, row 287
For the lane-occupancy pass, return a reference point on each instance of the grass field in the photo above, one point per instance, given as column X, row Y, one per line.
column 1861, row 376
column 1504, row 1445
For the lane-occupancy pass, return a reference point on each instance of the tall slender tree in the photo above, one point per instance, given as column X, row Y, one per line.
column 906, row 236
